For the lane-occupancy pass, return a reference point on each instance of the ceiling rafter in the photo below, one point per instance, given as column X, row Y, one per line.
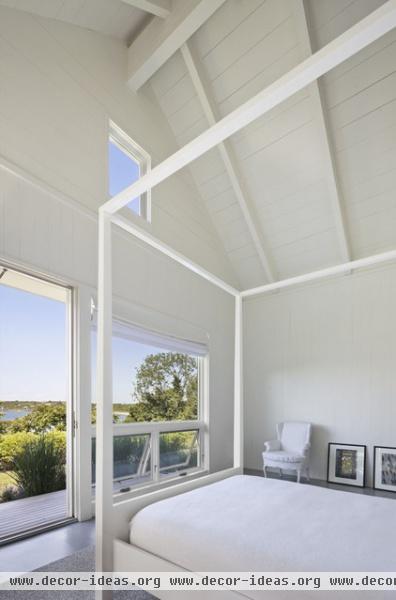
column 349, row 43
column 158, row 8
column 229, row 160
column 162, row 38
column 319, row 114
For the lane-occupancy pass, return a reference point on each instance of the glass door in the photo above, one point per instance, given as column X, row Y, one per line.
column 36, row 409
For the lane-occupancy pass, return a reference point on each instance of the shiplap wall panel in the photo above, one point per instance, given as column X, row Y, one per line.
column 42, row 233
column 74, row 81
column 110, row 17
column 324, row 353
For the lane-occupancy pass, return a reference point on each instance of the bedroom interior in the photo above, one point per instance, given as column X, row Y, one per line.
column 214, row 182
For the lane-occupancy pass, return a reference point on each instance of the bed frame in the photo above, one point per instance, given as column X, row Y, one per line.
column 112, row 550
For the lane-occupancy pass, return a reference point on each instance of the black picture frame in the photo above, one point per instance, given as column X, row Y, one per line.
column 375, row 471
column 336, row 480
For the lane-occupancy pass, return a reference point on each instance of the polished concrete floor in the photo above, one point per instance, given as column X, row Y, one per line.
column 41, row 549
column 331, row 486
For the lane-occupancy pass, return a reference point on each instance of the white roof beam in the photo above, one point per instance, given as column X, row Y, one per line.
column 301, row 20
column 159, row 8
column 229, row 160
column 348, row 267
column 368, row 30
column 162, row 38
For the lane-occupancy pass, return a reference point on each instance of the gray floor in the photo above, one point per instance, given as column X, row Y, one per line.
column 32, row 553
column 331, row 486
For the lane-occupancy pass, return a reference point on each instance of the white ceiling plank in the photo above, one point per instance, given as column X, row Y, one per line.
column 347, row 267
column 228, row 157
column 159, row 8
column 319, row 115
column 348, row 44
column 162, row 38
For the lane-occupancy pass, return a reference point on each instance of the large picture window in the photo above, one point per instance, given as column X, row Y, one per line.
column 158, row 409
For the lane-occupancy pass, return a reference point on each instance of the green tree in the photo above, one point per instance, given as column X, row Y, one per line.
column 3, row 426
column 42, row 418
column 166, row 388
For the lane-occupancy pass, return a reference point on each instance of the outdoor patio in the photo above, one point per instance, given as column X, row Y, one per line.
column 29, row 513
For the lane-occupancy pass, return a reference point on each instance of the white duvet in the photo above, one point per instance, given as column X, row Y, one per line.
column 247, row 523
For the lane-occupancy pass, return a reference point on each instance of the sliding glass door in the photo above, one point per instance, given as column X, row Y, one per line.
column 36, row 489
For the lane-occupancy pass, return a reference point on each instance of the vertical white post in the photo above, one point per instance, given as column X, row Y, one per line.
column 82, row 361
column 238, row 386
column 104, row 427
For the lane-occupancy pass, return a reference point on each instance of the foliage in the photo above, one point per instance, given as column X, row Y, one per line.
column 11, row 444
column 116, row 418
column 39, row 467
column 3, row 425
column 166, row 389
column 127, row 451
column 10, row 492
column 5, row 480
column 42, row 418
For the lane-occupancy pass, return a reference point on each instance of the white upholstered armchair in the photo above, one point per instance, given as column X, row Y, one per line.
column 291, row 450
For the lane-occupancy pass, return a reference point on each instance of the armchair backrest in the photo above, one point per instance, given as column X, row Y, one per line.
column 294, row 435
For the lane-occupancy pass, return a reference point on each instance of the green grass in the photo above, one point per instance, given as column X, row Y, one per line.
column 5, row 479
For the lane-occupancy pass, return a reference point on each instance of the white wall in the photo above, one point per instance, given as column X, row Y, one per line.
column 323, row 353
column 60, row 85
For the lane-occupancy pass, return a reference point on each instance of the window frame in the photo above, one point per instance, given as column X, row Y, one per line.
column 155, row 428
column 132, row 149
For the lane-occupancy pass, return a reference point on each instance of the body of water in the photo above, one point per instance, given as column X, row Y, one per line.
column 10, row 415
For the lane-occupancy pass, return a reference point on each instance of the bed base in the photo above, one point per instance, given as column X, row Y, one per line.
column 127, row 556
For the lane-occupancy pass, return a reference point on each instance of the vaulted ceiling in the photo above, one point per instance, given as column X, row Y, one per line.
column 308, row 185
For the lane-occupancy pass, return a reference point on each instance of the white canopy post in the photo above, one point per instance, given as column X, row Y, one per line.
column 238, row 386
column 104, row 412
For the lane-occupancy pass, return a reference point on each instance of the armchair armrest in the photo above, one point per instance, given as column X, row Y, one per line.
column 272, row 445
column 306, row 449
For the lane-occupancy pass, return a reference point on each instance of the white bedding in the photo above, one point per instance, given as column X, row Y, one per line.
column 247, row 523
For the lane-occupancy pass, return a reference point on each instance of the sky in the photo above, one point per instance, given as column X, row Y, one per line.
column 33, row 356
column 33, row 351
column 123, row 171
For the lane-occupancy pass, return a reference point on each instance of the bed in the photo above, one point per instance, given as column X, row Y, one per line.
column 247, row 523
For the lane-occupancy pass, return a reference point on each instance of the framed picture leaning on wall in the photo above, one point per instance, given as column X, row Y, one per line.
column 384, row 477
column 346, row 464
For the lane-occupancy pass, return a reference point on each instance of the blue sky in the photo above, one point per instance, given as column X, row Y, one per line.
column 33, row 361
column 32, row 347
column 123, row 171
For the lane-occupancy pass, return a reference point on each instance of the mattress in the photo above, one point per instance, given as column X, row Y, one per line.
column 248, row 523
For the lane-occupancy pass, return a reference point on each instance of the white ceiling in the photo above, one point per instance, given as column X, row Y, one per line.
column 281, row 158
column 110, row 17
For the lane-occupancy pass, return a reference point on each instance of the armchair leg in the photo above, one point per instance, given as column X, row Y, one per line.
column 298, row 475
column 264, row 471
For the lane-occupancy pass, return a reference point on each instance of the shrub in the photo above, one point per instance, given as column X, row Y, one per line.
column 11, row 492
column 10, row 445
column 38, row 468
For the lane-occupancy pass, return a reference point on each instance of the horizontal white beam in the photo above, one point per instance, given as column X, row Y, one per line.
column 161, row 39
column 159, row 8
column 328, row 272
column 346, row 45
column 141, row 234
column 226, row 153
